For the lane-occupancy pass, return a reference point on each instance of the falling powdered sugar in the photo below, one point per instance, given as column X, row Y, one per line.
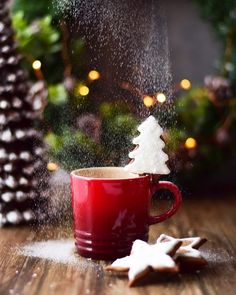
column 58, row 251
column 131, row 37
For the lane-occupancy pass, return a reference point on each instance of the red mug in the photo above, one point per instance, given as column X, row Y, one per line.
column 111, row 209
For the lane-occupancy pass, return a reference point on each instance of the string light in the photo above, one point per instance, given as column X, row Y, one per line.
column 190, row 143
column 185, row 84
column 148, row 101
column 36, row 65
column 161, row 97
column 93, row 75
column 83, row 90
column 52, row 166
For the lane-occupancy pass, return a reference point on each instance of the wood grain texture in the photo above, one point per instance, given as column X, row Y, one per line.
column 212, row 218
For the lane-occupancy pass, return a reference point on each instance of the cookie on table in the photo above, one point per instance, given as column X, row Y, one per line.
column 187, row 256
column 146, row 258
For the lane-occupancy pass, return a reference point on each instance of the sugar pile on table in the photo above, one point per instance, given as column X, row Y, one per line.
column 218, row 256
column 59, row 251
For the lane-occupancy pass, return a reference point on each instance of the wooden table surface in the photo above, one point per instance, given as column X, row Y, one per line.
column 213, row 218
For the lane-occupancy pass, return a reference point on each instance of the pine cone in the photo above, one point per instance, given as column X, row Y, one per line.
column 90, row 125
column 219, row 87
column 23, row 169
column 223, row 137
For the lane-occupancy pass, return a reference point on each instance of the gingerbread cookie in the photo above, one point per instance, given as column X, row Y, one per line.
column 145, row 258
column 148, row 157
column 188, row 255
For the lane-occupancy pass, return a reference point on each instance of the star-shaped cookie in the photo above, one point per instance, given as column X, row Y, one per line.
column 188, row 255
column 145, row 258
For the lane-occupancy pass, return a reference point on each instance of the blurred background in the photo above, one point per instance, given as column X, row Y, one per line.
column 93, row 106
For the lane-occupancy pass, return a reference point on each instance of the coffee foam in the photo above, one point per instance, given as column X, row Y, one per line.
column 105, row 172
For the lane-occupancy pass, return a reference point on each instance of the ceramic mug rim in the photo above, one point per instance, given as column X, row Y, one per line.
column 132, row 176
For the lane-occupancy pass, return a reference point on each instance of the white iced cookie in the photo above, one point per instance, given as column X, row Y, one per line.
column 188, row 255
column 148, row 157
column 145, row 258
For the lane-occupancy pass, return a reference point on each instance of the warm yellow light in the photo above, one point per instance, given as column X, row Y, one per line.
column 161, row 97
column 148, row 101
column 190, row 143
column 83, row 90
column 52, row 166
column 36, row 65
column 185, row 84
column 93, row 75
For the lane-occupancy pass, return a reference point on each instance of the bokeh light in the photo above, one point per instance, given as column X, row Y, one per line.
column 148, row 101
column 185, row 84
column 83, row 90
column 36, row 65
column 93, row 75
column 161, row 97
column 190, row 143
column 52, row 166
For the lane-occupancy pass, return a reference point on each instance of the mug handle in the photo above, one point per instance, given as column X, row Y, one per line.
column 177, row 200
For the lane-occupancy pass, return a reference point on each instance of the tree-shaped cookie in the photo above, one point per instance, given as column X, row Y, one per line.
column 148, row 157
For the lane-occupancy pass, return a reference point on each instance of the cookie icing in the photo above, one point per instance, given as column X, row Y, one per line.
column 189, row 247
column 148, row 157
column 145, row 257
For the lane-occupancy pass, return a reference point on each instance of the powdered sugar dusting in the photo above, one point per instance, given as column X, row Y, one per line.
column 217, row 256
column 59, row 251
